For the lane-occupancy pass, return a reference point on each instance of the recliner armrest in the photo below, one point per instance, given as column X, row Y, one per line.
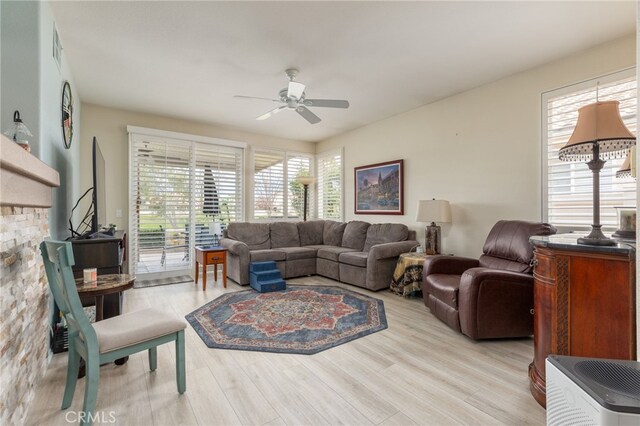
column 390, row 250
column 235, row 247
column 495, row 303
column 450, row 265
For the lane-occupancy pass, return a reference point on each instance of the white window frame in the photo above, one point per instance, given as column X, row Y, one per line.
column 285, row 208
column 545, row 97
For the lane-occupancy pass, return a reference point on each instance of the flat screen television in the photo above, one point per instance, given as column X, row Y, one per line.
column 95, row 219
column 99, row 219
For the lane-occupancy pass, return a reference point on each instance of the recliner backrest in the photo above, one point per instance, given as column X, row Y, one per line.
column 507, row 246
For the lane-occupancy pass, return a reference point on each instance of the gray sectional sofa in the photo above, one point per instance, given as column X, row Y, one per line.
column 356, row 252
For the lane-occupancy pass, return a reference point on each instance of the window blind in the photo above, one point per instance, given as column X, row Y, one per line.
column 276, row 191
column 569, row 188
column 178, row 188
column 329, row 193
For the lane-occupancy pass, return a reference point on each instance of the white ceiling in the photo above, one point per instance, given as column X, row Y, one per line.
column 188, row 59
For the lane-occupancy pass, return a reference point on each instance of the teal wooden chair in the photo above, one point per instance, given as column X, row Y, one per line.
column 107, row 340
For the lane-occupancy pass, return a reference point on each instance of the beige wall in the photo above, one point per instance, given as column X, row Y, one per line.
column 480, row 149
column 109, row 125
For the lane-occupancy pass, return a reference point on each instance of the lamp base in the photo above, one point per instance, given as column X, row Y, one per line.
column 432, row 236
column 596, row 238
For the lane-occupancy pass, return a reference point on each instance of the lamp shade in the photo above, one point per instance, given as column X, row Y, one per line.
column 625, row 170
column 598, row 123
column 434, row 211
column 306, row 180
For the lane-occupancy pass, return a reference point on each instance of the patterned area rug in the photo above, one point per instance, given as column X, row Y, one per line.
column 163, row 281
column 298, row 320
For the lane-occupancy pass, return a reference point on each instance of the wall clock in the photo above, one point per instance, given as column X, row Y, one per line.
column 67, row 115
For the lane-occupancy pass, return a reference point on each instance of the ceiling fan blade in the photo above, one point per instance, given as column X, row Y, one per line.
column 295, row 90
column 254, row 97
column 308, row 115
column 270, row 113
column 330, row 103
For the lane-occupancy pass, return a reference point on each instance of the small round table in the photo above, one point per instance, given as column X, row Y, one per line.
column 106, row 284
column 407, row 277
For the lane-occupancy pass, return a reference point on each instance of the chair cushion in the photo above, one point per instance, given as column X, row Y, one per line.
column 254, row 235
column 357, row 258
column 136, row 327
column 264, row 255
column 380, row 233
column 310, row 232
column 333, row 253
column 509, row 240
column 295, row 253
column 355, row 233
column 444, row 288
column 332, row 233
column 284, row 234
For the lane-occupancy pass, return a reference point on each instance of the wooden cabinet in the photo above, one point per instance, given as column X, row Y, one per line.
column 584, row 303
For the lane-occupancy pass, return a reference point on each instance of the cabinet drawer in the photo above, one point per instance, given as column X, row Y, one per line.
column 544, row 267
column 215, row 257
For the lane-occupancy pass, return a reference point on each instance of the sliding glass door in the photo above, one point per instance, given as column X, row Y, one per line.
column 178, row 190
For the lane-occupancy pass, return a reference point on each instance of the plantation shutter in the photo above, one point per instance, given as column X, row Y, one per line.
column 329, row 185
column 177, row 189
column 569, row 188
column 268, row 185
column 297, row 166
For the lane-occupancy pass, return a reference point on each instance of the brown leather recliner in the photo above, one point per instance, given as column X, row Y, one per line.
column 490, row 297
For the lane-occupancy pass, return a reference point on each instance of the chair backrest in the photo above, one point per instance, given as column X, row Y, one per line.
column 507, row 246
column 58, row 262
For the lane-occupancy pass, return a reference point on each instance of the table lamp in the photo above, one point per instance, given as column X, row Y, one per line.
column 599, row 135
column 216, row 231
column 433, row 211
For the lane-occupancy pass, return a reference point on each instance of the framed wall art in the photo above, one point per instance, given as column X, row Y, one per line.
column 379, row 188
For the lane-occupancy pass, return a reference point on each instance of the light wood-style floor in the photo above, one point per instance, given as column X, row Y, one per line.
column 418, row 371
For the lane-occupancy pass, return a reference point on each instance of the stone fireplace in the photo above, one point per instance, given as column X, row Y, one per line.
column 25, row 199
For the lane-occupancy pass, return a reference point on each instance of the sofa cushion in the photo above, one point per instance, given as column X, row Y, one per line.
column 379, row 233
column 310, row 232
column 295, row 253
column 254, row 235
column 444, row 288
column 355, row 234
column 356, row 258
column 284, row 234
column 264, row 255
column 333, row 253
column 332, row 233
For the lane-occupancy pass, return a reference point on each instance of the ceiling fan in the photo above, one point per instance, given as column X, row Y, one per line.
column 293, row 98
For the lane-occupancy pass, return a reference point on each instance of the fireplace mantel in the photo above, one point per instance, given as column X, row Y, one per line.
column 25, row 181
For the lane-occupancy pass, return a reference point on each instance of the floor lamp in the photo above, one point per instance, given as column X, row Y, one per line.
column 599, row 135
column 306, row 181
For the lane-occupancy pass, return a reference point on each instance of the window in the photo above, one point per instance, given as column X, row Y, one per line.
column 276, row 191
column 329, row 198
column 178, row 188
column 568, row 189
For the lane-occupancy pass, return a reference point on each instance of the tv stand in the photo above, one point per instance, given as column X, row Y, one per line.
column 106, row 253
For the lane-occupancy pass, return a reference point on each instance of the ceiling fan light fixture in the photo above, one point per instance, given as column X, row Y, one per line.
column 295, row 90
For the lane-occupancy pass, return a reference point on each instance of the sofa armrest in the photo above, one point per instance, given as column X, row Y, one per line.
column 450, row 265
column 235, row 247
column 495, row 303
column 390, row 250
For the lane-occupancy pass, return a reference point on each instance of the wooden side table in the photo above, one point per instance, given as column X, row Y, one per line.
column 211, row 255
column 407, row 277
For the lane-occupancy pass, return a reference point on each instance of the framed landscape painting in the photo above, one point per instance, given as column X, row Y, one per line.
column 379, row 188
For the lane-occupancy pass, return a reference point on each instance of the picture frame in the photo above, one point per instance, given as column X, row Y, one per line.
column 379, row 188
